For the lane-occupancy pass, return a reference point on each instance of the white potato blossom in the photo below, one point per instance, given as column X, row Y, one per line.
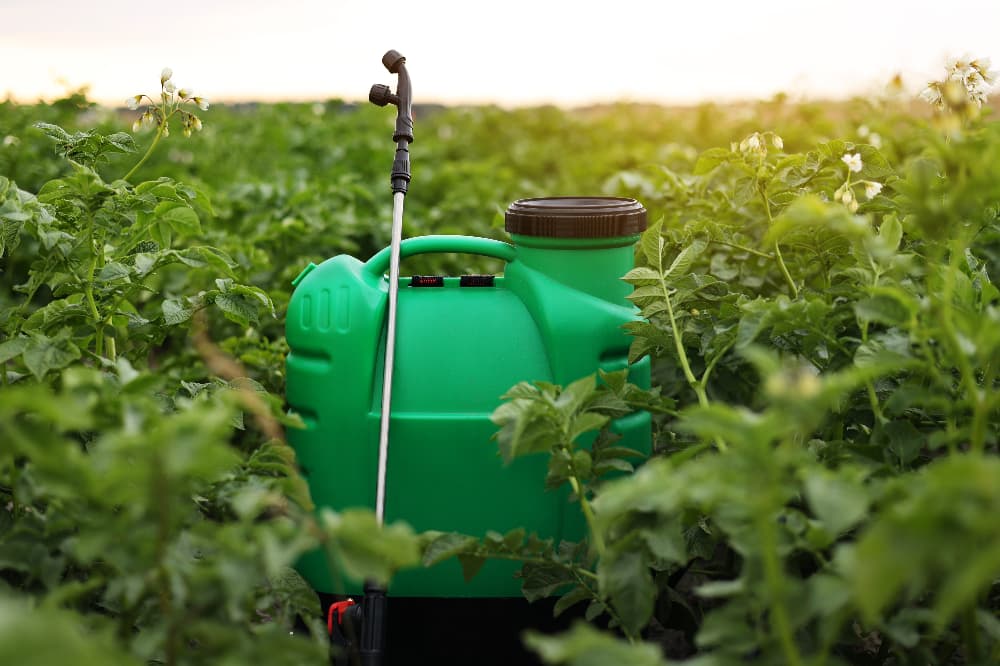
column 169, row 87
column 166, row 75
column 875, row 139
column 853, row 161
column 872, row 189
column 201, row 102
column 11, row 140
column 967, row 80
column 778, row 143
column 184, row 93
column 133, row 102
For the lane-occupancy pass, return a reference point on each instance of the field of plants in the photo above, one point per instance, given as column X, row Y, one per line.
column 818, row 295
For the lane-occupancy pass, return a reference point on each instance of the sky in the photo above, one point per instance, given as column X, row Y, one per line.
column 511, row 52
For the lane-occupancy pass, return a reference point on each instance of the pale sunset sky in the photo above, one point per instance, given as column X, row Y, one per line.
column 511, row 52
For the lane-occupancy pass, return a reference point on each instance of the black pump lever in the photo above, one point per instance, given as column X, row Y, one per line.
column 381, row 95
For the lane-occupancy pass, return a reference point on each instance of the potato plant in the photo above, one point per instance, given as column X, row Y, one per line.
column 817, row 292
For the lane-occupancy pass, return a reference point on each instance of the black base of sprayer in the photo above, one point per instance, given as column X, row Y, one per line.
column 373, row 615
column 446, row 632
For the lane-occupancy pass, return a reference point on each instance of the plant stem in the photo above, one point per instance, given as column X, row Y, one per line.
column 777, row 250
column 588, row 514
column 149, row 151
column 744, row 248
column 696, row 386
column 773, row 577
column 970, row 635
column 97, row 250
column 966, row 372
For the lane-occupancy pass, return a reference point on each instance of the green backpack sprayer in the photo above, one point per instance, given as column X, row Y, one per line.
column 422, row 362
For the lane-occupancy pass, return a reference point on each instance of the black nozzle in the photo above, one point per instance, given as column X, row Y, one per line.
column 380, row 95
column 392, row 60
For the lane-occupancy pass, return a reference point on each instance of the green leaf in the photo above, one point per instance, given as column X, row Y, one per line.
column 652, row 243
column 175, row 312
column 710, row 159
column 44, row 354
column 366, row 550
column 180, row 216
column 12, row 348
column 586, row 422
column 471, row 564
column 625, row 579
column 838, row 502
column 571, row 598
column 446, row 546
column 585, row 646
column 887, row 306
column 682, row 262
column 542, row 580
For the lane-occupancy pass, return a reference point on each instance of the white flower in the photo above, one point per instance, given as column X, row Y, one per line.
column 853, row 161
column 133, row 102
column 753, row 143
column 169, row 87
column 778, row 143
column 875, row 139
column 863, row 131
column 166, row 75
column 202, row 103
column 11, row 140
column 872, row 189
column 982, row 65
column 184, row 93
column 137, row 125
column 932, row 93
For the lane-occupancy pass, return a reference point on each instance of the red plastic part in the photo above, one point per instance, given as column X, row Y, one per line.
column 339, row 607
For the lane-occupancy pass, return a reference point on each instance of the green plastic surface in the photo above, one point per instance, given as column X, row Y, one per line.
column 556, row 315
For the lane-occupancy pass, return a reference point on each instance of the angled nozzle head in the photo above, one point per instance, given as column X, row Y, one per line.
column 380, row 95
column 392, row 60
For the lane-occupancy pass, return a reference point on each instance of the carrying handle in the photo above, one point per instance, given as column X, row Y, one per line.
column 486, row 247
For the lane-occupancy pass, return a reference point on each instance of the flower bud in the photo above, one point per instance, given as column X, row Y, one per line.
column 137, row 125
column 778, row 143
column 196, row 123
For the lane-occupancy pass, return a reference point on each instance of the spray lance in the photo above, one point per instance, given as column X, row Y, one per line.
column 372, row 614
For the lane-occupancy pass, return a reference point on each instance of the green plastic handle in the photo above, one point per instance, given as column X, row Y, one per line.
column 486, row 247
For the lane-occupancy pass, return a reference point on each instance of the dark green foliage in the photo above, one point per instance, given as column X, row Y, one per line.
column 824, row 484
